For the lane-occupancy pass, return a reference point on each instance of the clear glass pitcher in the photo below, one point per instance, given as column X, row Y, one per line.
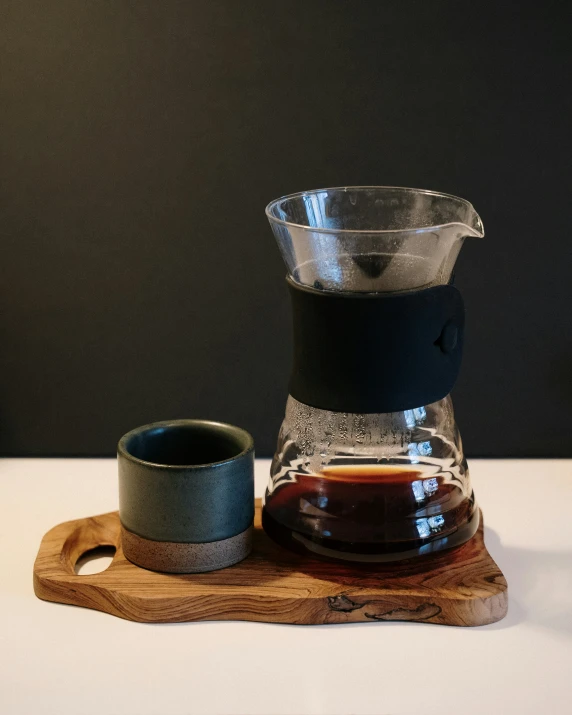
column 369, row 487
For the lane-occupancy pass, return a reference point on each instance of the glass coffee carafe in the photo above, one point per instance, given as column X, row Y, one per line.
column 361, row 472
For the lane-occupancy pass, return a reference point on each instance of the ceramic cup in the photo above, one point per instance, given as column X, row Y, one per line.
column 186, row 495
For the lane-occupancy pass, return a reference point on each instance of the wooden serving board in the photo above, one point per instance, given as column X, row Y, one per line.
column 463, row 587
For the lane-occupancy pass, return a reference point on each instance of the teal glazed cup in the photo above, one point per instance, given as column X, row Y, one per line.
column 186, row 495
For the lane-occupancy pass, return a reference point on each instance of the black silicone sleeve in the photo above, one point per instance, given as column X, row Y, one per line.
column 375, row 352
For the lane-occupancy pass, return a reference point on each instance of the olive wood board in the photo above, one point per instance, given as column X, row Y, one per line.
column 461, row 587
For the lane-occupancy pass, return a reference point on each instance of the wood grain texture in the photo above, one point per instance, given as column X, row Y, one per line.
column 463, row 587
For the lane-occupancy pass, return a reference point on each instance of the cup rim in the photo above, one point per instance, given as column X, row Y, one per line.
column 238, row 431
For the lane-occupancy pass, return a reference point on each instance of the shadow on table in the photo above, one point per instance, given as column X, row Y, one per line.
column 539, row 585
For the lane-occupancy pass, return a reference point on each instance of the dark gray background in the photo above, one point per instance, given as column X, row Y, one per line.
column 142, row 140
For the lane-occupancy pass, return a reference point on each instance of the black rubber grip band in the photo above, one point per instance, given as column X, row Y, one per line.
column 375, row 352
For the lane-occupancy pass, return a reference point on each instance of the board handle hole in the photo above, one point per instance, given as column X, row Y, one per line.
column 94, row 561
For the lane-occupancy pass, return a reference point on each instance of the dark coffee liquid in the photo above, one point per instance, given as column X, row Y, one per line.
column 369, row 513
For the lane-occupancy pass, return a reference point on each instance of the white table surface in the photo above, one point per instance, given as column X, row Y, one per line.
column 61, row 659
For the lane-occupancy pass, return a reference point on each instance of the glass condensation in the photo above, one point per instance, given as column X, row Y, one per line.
column 370, row 487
